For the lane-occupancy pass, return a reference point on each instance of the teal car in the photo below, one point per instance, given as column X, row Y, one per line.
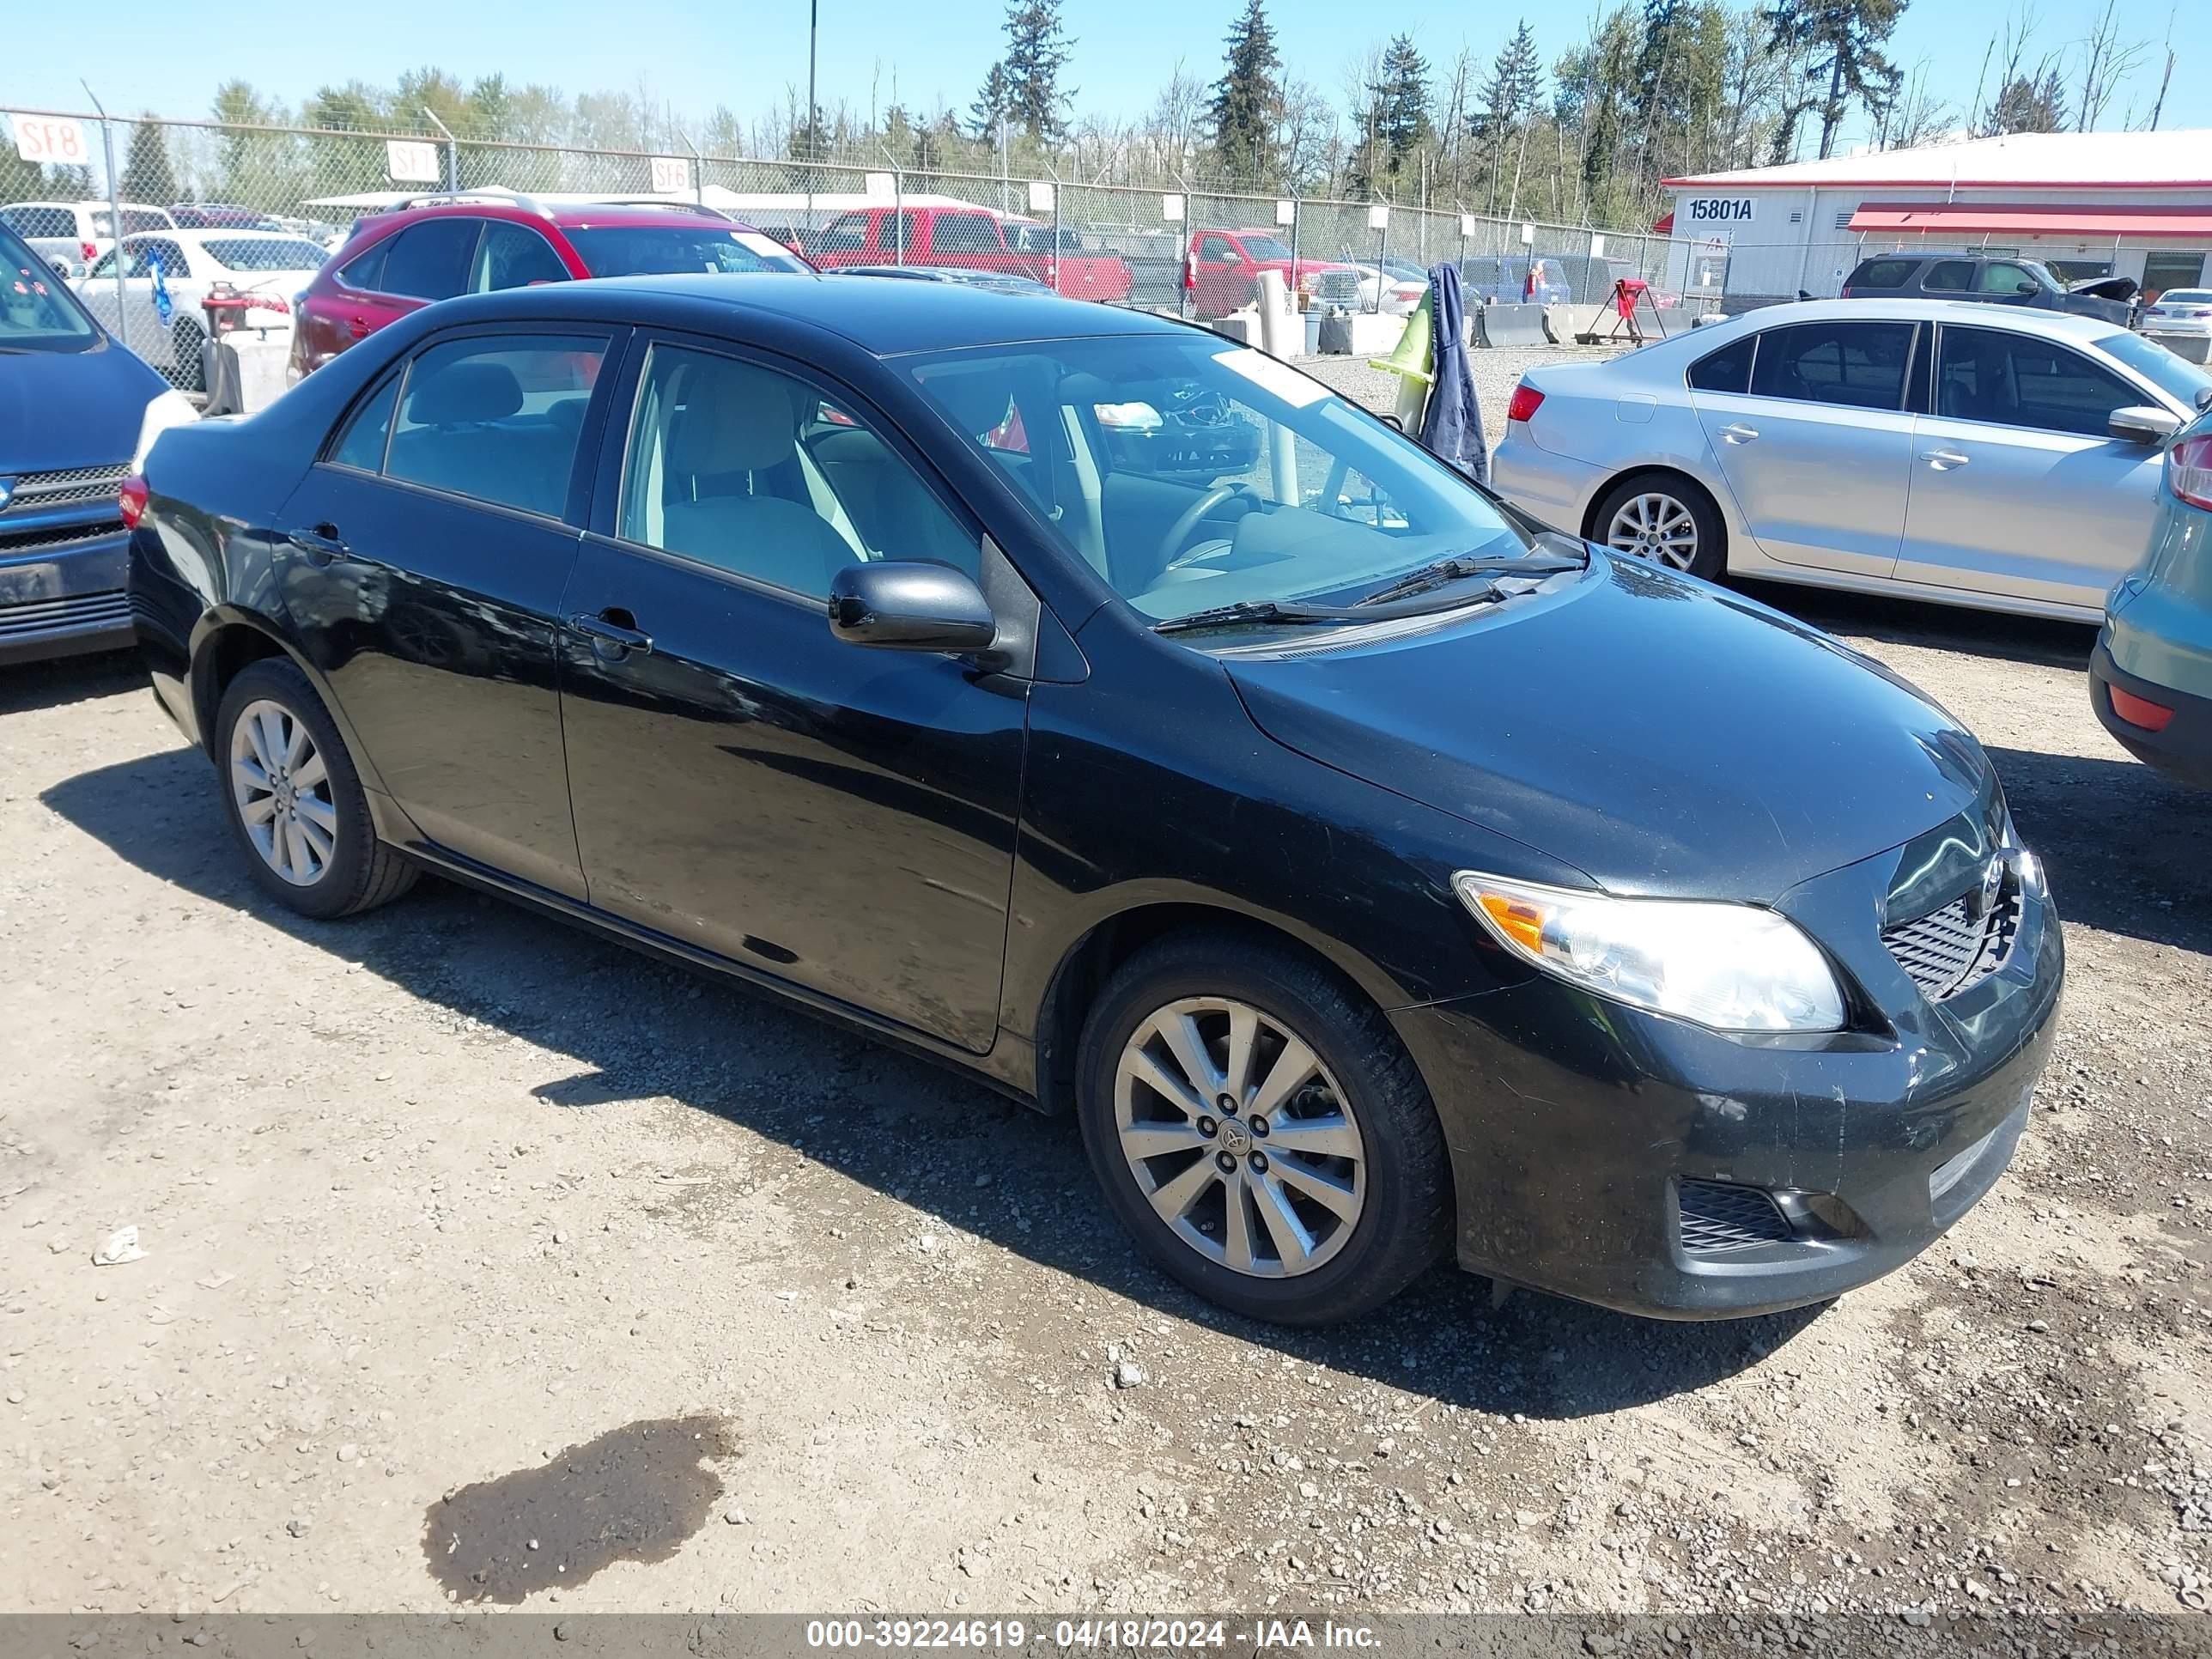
column 2150, row 676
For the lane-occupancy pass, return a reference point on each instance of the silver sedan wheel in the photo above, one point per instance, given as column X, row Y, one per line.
column 283, row 793
column 1655, row 526
column 1239, row 1137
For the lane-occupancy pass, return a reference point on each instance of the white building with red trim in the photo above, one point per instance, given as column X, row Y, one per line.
column 2087, row 205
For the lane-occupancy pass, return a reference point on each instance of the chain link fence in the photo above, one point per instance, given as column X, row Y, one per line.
column 1173, row 247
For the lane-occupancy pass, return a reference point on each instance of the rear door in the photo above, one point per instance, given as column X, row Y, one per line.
column 428, row 550
column 427, row 260
column 838, row 816
column 1819, row 452
column 2017, row 486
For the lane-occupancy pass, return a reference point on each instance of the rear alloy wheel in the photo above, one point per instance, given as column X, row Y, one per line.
column 1260, row 1130
column 1664, row 520
column 294, row 800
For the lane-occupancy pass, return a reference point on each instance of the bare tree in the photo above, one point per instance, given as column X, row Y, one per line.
column 2106, row 60
column 1914, row 116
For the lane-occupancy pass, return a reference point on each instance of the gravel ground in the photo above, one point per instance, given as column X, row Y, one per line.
column 1496, row 374
column 448, row 1209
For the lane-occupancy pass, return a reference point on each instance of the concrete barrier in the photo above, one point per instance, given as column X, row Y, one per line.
column 1511, row 326
column 1560, row 325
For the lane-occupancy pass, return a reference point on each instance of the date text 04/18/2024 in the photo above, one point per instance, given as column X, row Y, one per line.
column 1125, row 1635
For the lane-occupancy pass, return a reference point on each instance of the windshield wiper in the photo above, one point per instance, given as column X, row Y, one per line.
column 1460, row 567
column 1248, row 611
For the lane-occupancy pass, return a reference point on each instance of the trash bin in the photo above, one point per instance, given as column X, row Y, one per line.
column 1335, row 339
column 1312, row 320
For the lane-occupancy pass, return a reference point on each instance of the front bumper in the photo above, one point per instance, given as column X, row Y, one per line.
column 2183, row 748
column 65, row 598
column 1596, row 1150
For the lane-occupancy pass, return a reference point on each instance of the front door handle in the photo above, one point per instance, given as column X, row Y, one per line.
column 1942, row 460
column 611, row 639
column 321, row 543
column 358, row 327
column 1739, row 433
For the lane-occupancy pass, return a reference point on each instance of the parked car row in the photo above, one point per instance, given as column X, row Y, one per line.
column 72, row 236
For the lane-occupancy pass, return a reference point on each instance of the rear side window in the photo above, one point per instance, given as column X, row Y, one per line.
column 496, row 418
column 363, row 443
column 513, row 256
column 1860, row 365
column 430, row 261
column 1949, row 276
column 365, row 272
column 965, row 232
column 1728, row 369
column 1883, row 273
column 29, row 221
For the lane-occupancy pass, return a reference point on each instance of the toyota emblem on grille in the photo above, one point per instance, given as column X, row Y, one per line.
column 1983, row 899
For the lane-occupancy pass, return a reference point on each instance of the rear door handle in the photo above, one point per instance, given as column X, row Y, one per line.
column 1942, row 460
column 321, row 543
column 358, row 327
column 1739, row 433
column 611, row 641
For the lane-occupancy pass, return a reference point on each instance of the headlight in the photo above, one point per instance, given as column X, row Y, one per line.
column 1732, row 967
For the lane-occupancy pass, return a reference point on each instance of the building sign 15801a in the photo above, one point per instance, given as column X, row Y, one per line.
column 1718, row 209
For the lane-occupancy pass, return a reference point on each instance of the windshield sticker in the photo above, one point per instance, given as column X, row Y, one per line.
column 1271, row 375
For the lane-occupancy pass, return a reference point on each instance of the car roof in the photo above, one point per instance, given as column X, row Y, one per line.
column 1879, row 308
column 885, row 319
column 564, row 216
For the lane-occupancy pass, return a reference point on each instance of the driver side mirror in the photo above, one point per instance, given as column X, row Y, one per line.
column 2026, row 288
column 2142, row 424
column 910, row 605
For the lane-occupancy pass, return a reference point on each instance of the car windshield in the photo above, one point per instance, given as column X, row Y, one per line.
column 2186, row 296
column 1264, row 247
column 2176, row 377
column 134, row 221
column 670, row 250
column 37, row 311
column 1191, row 473
column 254, row 253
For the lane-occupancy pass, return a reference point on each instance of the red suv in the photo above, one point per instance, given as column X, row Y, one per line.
column 434, row 247
column 962, row 237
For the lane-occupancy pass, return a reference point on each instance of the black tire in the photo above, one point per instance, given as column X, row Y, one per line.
column 361, row 872
column 1711, row 561
column 1405, row 1223
column 185, row 340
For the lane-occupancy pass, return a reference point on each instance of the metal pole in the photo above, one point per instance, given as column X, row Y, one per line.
column 898, row 216
column 1058, row 252
column 1381, row 249
column 115, row 215
column 813, row 132
column 453, row 160
column 698, row 168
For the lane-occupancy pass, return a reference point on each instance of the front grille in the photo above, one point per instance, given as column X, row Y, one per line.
column 1718, row 1217
column 108, row 609
column 37, row 491
column 58, row 538
column 1949, row 950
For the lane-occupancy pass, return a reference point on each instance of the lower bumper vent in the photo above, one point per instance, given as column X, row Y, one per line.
column 1718, row 1217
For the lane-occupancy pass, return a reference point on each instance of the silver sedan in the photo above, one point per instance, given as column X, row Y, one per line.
column 1971, row 455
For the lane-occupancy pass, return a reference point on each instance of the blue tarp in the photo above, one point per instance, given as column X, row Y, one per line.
column 1451, row 426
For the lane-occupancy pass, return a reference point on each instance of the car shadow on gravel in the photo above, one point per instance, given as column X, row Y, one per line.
column 2038, row 640
column 922, row 1134
column 63, row 680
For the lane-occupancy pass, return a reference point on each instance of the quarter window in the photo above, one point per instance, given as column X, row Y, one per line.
column 746, row 469
column 497, row 418
column 2016, row 379
column 363, row 443
column 365, row 272
column 430, row 260
column 1728, row 369
column 1859, row 365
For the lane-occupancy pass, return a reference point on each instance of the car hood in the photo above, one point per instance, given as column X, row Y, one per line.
column 1662, row 735
column 60, row 409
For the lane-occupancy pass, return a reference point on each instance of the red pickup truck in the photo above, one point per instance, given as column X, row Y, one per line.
column 971, row 238
column 1223, row 272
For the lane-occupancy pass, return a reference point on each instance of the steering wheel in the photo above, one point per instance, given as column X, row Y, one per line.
column 1188, row 520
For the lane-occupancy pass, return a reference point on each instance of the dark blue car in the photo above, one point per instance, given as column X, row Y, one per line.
column 73, row 404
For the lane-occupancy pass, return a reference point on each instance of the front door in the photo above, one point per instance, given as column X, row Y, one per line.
column 2017, row 486
column 1223, row 276
column 429, row 548
column 138, row 318
column 1817, row 453
column 837, row 816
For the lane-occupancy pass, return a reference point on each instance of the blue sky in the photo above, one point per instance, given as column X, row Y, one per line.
column 694, row 54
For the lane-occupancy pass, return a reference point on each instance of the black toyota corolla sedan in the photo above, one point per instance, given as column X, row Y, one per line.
column 1111, row 710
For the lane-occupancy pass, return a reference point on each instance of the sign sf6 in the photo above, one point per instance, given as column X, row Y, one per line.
column 1718, row 209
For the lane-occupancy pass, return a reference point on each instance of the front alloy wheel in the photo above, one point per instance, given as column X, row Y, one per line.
column 1239, row 1137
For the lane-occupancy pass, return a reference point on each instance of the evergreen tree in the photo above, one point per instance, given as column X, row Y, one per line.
column 994, row 102
column 1247, row 100
column 147, row 176
column 19, row 179
column 1400, row 107
column 1038, row 49
column 2028, row 105
column 1514, row 94
column 260, row 169
column 1840, row 41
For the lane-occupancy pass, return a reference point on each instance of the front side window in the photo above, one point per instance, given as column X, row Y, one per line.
column 2005, row 279
column 496, row 418
column 847, row 234
column 2017, row 379
column 37, row 311
column 1860, row 365
column 1191, row 473
column 365, row 271
column 1217, row 251
column 430, row 260
column 747, row 469
column 513, row 256
column 1266, row 247
column 673, row 250
column 965, row 232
